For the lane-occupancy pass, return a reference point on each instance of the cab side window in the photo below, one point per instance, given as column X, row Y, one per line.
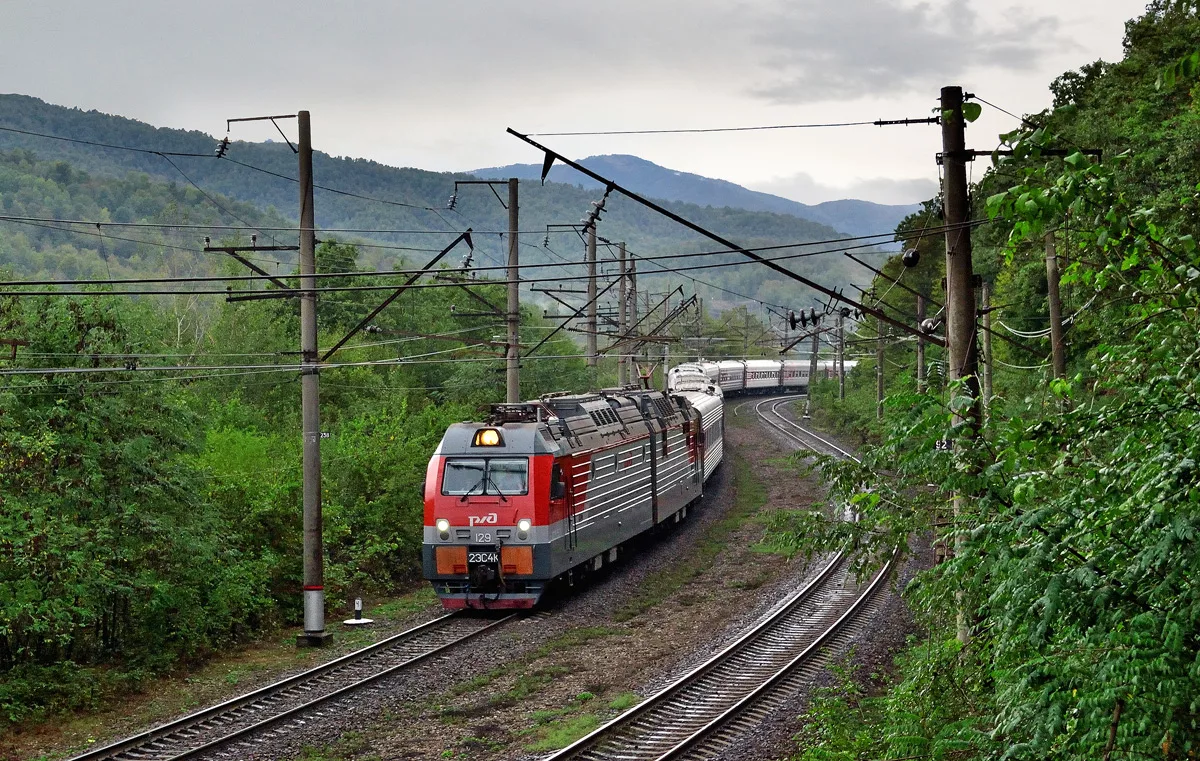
column 558, row 488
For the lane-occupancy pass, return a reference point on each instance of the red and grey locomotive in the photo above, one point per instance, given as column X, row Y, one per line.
column 550, row 487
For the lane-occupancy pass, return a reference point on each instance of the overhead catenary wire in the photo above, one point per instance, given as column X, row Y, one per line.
column 356, row 288
column 390, row 362
column 530, row 265
column 700, row 130
column 380, row 231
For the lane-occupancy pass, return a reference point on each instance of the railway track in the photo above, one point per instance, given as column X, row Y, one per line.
column 708, row 710
column 794, row 431
column 704, row 712
column 236, row 723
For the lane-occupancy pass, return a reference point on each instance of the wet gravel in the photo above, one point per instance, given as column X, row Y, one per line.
column 482, row 700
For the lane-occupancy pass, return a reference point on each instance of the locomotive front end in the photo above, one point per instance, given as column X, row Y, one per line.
column 486, row 539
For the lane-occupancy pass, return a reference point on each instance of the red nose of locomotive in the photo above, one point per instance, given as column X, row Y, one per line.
column 486, row 492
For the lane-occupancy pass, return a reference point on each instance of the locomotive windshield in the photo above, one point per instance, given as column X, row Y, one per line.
column 467, row 477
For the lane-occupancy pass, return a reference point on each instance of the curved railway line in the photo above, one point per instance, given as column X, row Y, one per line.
column 294, row 699
column 709, row 709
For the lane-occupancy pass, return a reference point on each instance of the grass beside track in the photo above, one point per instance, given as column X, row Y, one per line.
column 750, row 495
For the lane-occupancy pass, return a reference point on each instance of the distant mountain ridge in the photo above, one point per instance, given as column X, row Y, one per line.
column 850, row 216
column 400, row 215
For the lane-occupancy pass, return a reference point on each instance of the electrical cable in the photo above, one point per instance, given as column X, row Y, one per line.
column 1022, row 119
column 393, row 286
column 698, row 130
column 106, row 145
column 328, row 189
column 392, row 362
column 389, row 273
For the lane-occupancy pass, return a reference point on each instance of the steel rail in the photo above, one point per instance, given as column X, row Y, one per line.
column 788, row 428
column 586, row 746
column 737, row 713
column 169, row 740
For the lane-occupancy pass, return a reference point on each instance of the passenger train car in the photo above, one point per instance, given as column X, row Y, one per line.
column 554, row 487
column 755, row 375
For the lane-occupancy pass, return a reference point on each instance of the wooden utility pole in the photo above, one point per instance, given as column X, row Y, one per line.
column 591, row 295
column 879, row 370
column 314, row 569
column 921, row 381
column 841, row 357
column 1057, row 347
column 513, row 317
column 985, row 304
column 962, row 351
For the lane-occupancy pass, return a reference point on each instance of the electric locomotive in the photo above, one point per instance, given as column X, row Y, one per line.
column 554, row 487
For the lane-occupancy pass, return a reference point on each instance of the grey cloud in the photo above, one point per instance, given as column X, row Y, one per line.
column 849, row 49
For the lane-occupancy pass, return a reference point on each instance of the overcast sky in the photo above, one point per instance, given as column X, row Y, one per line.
column 434, row 84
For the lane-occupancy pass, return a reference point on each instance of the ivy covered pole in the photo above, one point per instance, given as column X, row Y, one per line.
column 961, row 315
column 988, row 366
column 1057, row 347
column 922, row 382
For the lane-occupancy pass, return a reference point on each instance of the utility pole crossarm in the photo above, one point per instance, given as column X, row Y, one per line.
column 233, row 251
column 552, row 155
column 395, row 295
column 577, row 313
column 649, row 311
column 674, row 315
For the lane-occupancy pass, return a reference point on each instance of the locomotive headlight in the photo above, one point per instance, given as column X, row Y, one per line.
column 523, row 526
column 443, row 527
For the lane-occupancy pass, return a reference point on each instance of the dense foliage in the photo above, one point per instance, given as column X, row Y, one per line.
column 1075, row 571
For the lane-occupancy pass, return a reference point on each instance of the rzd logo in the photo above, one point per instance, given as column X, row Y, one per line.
column 480, row 520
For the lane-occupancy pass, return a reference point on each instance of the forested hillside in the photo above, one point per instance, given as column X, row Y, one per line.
column 1065, row 622
column 413, row 200
column 850, row 216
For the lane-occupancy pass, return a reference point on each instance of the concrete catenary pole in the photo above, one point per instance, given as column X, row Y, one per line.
column 622, row 319
column 962, row 348
column 591, row 307
column 812, row 359
column 841, row 357
column 1057, row 347
column 314, row 569
column 879, row 370
column 513, row 311
column 921, row 380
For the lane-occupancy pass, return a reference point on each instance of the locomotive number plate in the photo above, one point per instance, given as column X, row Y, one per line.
column 483, row 557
